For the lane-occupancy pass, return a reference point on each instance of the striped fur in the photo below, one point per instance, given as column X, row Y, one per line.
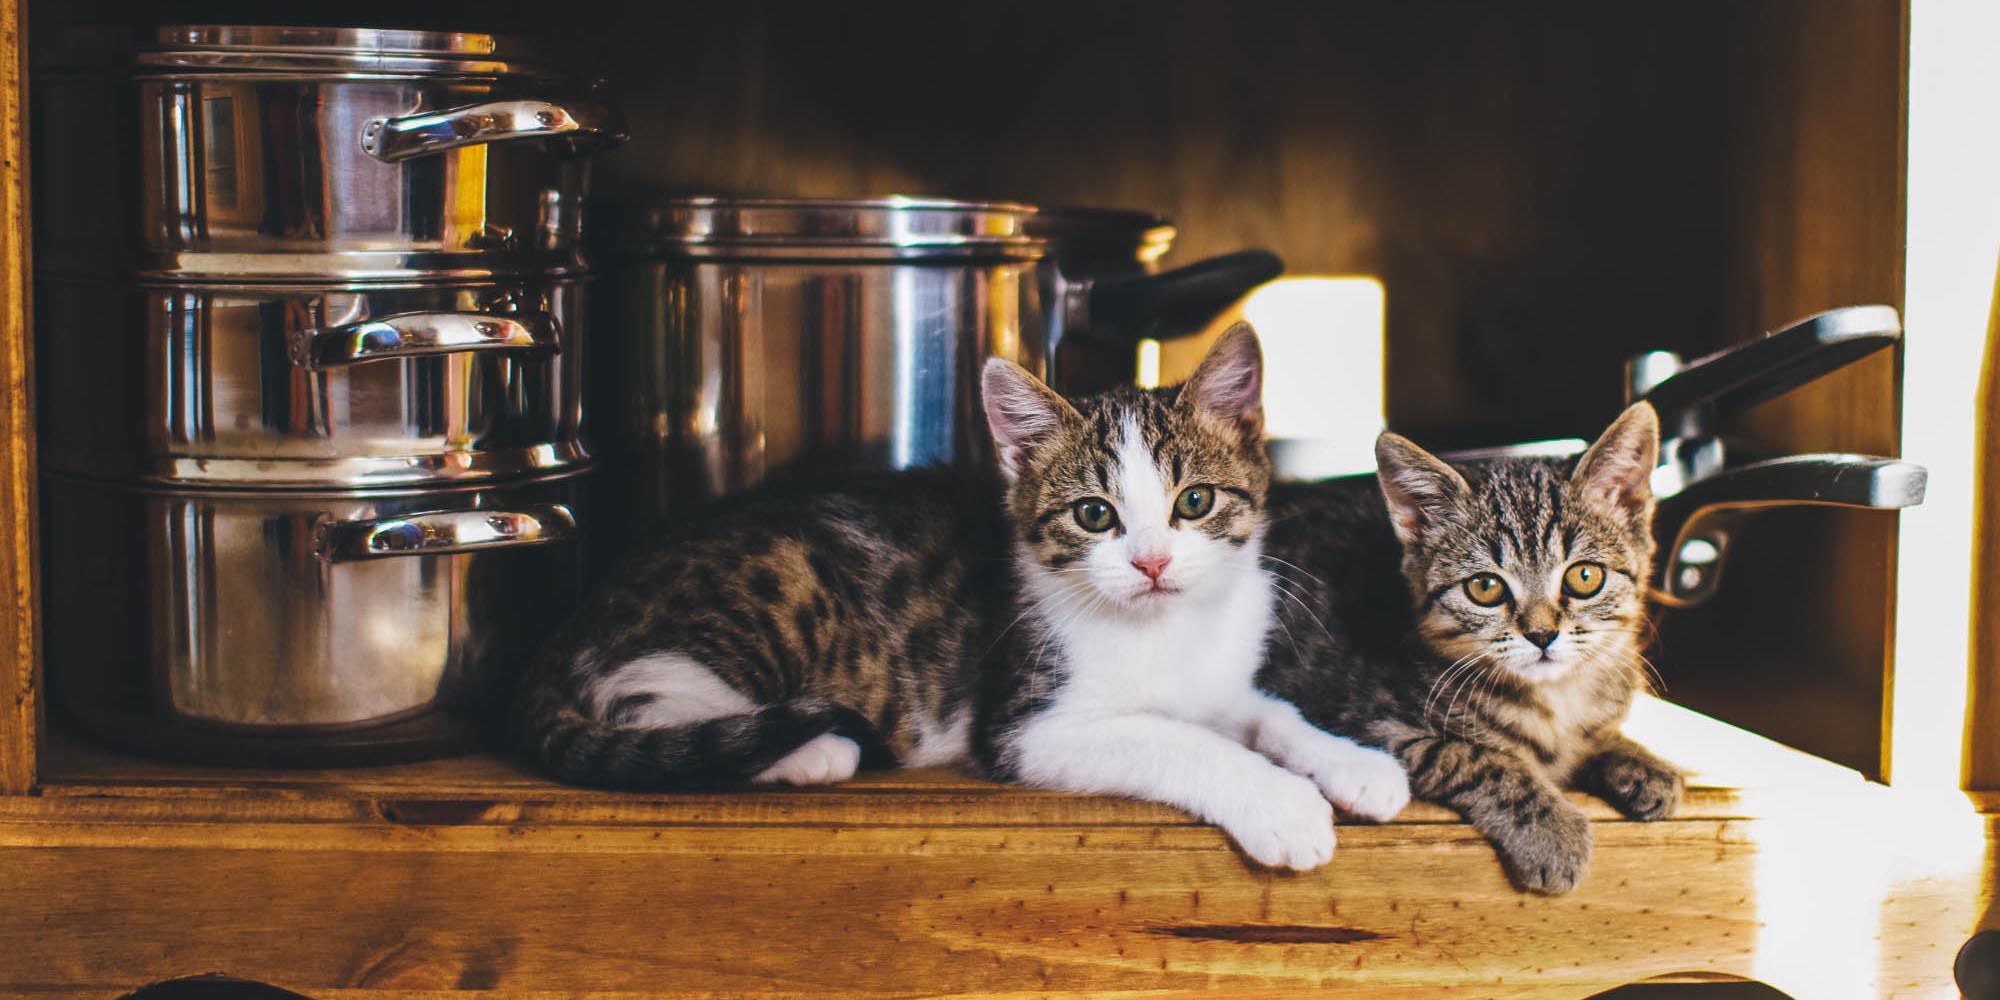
column 937, row 616
column 1382, row 641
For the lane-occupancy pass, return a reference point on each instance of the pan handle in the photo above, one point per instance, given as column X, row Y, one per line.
column 444, row 532
column 419, row 334
column 1735, row 378
column 1118, row 311
column 586, row 125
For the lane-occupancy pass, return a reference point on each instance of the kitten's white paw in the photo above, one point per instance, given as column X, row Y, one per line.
column 1285, row 823
column 1366, row 783
column 823, row 760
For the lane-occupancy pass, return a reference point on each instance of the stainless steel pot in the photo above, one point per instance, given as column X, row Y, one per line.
column 343, row 386
column 264, row 627
column 321, row 153
column 765, row 336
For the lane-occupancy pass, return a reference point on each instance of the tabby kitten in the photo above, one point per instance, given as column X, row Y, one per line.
column 1091, row 620
column 1484, row 625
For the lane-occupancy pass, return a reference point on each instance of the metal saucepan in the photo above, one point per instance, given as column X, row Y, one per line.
column 318, row 153
column 265, row 627
column 346, row 386
column 765, row 336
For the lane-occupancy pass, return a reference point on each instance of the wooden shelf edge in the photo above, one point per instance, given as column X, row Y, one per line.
column 1736, row 775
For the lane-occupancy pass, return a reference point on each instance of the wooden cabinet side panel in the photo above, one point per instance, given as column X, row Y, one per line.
column 20, row 708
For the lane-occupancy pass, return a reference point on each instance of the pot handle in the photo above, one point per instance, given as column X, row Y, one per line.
column 586, row 125
column 408, row 335
column 1118, row 311
column 443, row 532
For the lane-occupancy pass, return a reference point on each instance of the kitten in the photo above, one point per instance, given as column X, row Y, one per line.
column 1484, row 625
column 1091, row 620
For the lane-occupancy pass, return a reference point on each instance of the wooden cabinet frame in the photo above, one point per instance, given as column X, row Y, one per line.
column 20, row 645
column 472, row 876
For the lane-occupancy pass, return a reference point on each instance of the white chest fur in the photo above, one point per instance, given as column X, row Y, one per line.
column 1194, row 659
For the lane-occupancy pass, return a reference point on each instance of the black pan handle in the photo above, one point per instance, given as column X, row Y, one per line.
column 1121, row 310
column 1695, row 524
column 1735, row 378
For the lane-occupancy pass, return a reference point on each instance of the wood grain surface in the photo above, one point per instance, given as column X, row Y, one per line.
column 472, row 875
column 19, row 643
column 933, row 885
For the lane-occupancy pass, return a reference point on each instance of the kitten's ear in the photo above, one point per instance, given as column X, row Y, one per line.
column 1419, row 488
column 1230, row 381
column 1021, row 412
column 1617, row 472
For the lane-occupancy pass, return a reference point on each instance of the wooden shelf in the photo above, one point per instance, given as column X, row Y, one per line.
column 473, row 874
column 1732, row 768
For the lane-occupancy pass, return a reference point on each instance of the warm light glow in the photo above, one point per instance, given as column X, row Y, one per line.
column 1952, row 248
column 1149, row 364
column 1323, row 374
column 1835, row 859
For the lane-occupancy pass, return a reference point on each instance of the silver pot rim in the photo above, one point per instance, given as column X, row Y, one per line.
column 256, row 493
column 895, row 227
column 283, row 48
column 290, row 284
column 337, row 266
column 370, row 474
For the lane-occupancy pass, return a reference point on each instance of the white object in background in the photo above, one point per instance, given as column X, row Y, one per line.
column 1149, row 364
column 1951, row 244
column 1323, row 373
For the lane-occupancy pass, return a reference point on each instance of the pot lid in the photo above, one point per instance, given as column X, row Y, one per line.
column 321, row 49
column 897, row 227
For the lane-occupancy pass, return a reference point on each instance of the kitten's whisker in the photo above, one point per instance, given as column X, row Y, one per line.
column 1485, row 695
column 1289, row 638
column 1463, row 663
column 1443, row 683
column 1302, row 570
column 1076, row 613
column 1439, row 685
column 1278, row 585
column 1066, row 590
column 1655, row 682
column 1484, row 666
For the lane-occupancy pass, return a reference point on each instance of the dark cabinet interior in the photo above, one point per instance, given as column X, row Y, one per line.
column 1543, row 190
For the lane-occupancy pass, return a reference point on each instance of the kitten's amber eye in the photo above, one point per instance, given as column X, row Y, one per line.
column 1583, row 579
column 1095, row 515
column 1195, row 502
column 1486, row 590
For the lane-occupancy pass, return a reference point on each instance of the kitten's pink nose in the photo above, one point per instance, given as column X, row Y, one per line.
column 1152, row 566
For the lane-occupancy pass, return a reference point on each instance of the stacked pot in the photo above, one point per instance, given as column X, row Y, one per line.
column 310, row 319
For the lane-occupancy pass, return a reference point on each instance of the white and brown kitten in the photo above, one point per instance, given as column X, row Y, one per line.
column 1091, row 620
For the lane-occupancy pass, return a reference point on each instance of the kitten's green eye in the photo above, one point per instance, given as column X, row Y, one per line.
column 1095, row 515
column 1486, row 590
column 1195, row 502
column 1583, row 579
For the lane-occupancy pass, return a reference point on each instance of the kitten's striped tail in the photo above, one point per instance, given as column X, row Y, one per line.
column 723, row 752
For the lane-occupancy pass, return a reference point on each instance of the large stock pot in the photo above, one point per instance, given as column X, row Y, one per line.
column 321, row 153
column 259, row 627
column 760, row 337
column 342, row 386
